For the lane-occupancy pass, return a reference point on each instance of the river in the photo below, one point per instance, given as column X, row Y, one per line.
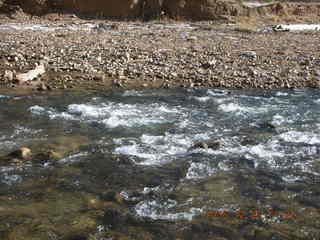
column 141, row 165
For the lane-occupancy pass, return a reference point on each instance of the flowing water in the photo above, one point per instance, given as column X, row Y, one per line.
column 131, row 165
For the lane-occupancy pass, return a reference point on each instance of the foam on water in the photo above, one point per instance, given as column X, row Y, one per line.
column 4, row 169
column 279, row 94
column 217, row 93
column 199, row 170
column 264, row 152
column 50, row 112
column 4, row 97
column 278, row 120
column 132, row 93
column 238, row 109
column 202, row 99
column 158, row 149
column 21, row 130
column 231, row 107
column 73, row 158
column 154, row 149
column 156, row 210
column 88, row 111
column 10, row 179
column 113, row 114
column 300, row 137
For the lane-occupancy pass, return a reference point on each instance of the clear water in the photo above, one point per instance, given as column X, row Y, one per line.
column 139, row 144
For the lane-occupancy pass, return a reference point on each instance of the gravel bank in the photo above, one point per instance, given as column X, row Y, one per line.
column 103, row 55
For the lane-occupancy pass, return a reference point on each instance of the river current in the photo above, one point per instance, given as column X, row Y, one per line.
column 143, row 147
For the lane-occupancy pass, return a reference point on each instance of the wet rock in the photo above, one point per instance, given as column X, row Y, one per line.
column 214, row 145
column 23, row 153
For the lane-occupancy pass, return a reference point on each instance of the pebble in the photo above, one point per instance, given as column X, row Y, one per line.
column 134, row 55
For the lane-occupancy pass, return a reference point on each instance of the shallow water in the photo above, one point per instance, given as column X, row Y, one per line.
column 139, row 146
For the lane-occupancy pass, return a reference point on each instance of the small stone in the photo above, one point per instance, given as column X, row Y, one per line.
column 249, row 54
column 49, row 88
column 8, row 75
column 42, row 87
column 192, row 38
column 279, row 28
column 127, row 56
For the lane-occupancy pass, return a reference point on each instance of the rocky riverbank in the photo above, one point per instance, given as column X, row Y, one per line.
column 77, row 53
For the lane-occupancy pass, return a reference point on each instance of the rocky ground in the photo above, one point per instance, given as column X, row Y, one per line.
column 92, row 54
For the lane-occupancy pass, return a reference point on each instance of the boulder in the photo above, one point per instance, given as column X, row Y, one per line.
column 22, row 78
column 22, row 153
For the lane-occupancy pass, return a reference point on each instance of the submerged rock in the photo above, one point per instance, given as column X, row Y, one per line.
column 267, row 125
column 214, row 145
column 47, row 155
column 60, row 146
